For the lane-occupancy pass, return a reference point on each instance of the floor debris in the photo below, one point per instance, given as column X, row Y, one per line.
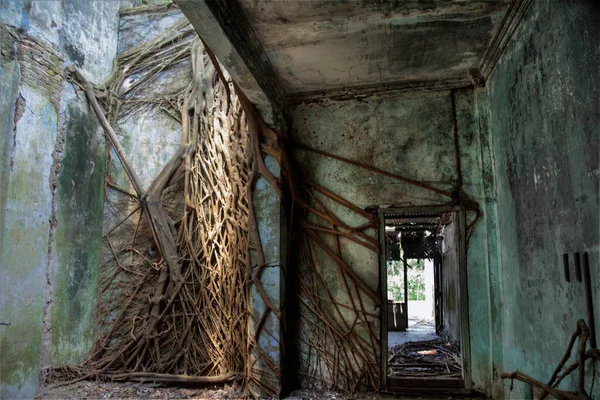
column 436, row 357
column 134, row 391
column 113, row 390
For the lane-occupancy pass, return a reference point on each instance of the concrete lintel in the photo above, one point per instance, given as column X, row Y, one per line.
column 440, row 84
column 509, row 25
column 225, row 29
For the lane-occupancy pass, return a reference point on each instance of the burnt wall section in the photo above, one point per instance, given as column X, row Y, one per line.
column 51, row 186
column 544, row 101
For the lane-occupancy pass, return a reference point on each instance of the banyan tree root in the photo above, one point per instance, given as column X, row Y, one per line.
column 173, row 282
column 562, row 370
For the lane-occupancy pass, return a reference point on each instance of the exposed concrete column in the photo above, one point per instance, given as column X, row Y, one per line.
column 482, row 262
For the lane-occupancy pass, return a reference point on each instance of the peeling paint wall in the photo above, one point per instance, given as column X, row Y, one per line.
column 51, row 192
column 544, row 102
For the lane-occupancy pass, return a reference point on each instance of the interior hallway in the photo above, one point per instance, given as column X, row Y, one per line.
column 419, row 330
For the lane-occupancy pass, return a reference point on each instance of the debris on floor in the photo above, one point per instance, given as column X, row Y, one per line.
column 330, row 395
column 437, row 357
column 124, row 390
column 119, row 390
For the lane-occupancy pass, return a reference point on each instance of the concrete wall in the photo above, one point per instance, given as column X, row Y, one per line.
column 451, row 280
column 51, row 184
column 544, row 102
column 149, row 136
column 411, row 135
column 382, row 132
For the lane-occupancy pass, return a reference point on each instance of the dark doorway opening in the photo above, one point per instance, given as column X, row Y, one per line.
column 422, row 269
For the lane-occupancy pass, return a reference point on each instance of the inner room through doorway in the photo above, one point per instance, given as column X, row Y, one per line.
column 422, row 264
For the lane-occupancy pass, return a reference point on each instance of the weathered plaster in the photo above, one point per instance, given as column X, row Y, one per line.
column 14, row 12
column 544, row 121
column 385, row 133
column 84, row 32
column 316, row 45
column 150, row 138
column 79, row 197
column 25, row 246
column 9, row 86
column 50, row 239
column 474, row 149
column 137, row 27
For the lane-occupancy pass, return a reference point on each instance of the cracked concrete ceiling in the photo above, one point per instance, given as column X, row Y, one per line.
column 322, row 45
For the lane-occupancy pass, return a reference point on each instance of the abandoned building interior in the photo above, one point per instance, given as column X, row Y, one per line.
column 330, row 195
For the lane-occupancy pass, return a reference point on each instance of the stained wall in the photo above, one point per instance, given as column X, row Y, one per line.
column 51, row 185
column 544, row 119
column 412, row 135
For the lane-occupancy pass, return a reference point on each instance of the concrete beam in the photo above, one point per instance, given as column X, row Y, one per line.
column 509, row 25
column 226, row 30
column 458, row 81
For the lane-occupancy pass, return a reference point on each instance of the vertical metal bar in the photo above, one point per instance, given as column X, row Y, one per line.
column 405, row 290
column 588, row 299
column 441, row 275
column 465, row 339
column 384, row 302
column 436, row 293
column 578, row 267
column 566, row 267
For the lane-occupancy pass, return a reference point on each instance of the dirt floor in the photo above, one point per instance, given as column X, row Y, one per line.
column 103, row 390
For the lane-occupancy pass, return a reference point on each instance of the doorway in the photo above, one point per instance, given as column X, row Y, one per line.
column 423, row 281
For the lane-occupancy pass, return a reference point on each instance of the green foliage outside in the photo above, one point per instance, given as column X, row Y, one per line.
column 416, row 280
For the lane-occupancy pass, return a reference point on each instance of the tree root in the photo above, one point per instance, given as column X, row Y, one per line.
column 581, row 333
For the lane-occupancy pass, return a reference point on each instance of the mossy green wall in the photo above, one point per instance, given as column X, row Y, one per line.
column 544, row 104
column 77, row 237
column 9, row 87
column 25, row 246
column 51, row 183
